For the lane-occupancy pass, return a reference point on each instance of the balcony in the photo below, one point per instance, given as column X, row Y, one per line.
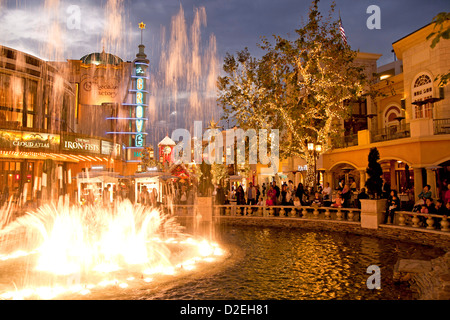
column 391, row 133
column 345, row 141
column 441, row 126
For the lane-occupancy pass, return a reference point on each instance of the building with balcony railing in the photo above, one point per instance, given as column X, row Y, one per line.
column 408, row 122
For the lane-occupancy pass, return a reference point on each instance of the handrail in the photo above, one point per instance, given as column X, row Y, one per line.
column 302, row 212
column 427, row 221
column 402, row 219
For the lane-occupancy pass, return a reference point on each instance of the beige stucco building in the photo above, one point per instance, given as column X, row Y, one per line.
column 409, row 124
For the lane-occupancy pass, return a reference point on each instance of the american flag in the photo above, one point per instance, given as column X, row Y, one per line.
column 341, row 29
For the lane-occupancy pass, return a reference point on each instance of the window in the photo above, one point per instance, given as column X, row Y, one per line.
column 422, row 90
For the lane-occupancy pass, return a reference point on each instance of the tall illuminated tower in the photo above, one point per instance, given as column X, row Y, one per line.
column 135, row 117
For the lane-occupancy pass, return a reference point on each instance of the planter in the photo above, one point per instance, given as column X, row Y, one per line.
column 372, row 212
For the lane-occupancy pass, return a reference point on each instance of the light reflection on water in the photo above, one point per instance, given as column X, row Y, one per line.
column 294, row 264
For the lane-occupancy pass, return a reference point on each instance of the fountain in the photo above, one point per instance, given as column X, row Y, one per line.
column 74, row 250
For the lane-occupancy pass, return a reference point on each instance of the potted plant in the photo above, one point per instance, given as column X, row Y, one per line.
column 372, row 209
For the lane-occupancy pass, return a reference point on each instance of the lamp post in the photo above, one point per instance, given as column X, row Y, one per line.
column 315, row 149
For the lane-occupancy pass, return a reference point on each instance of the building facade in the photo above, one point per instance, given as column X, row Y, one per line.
column 58, row 120
column 409, row 124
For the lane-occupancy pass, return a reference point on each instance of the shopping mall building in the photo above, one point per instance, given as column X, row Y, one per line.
column 58, row 120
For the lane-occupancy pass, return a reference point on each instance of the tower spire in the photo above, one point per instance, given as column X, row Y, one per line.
column 142, row 27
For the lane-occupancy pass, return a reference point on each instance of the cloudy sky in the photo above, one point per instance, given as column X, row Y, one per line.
column 70, row 29
column 235, row 23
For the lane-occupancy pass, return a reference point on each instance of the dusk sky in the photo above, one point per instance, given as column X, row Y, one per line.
column 69, row 29
column 235, row 23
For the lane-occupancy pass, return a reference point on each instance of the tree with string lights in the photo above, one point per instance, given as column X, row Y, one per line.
column 298, row 87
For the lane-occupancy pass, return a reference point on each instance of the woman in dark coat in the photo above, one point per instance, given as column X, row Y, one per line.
column 299, row 193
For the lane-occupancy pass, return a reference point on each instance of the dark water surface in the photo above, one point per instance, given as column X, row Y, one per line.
column 294, row 264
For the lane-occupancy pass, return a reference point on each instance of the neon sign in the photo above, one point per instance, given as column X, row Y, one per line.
column 140, row 102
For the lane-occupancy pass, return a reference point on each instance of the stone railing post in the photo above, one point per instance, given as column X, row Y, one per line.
column 293, row 212
column 401, row 219
column 316, row 212
column 415, row 221
column 327, row 214
column 260, row 212
column 445, row 224
column 339, row 214
column 304, row 212
column 430, row 223
column 350, row 215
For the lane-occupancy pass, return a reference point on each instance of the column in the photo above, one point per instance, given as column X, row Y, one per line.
column 362, row 179
column 418, row 182
column 393, row 181
column 431, row 180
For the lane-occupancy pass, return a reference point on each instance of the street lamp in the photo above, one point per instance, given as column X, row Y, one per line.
column 315, row 149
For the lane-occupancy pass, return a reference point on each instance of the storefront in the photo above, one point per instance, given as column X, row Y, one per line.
column 91, row 187
column 150, row 180
column 23, row 163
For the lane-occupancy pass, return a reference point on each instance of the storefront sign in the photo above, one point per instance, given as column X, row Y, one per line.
column 29, row 140
column 111, row 149
column 81, row 145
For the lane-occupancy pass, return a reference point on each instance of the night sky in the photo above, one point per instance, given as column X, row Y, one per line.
column 236, row 24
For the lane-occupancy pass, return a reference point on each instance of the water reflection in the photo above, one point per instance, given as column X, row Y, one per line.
column 280, row 264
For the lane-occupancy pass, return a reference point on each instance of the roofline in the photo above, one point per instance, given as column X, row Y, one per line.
column 412, row 33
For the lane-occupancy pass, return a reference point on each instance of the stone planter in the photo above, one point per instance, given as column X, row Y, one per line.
column 372, row 212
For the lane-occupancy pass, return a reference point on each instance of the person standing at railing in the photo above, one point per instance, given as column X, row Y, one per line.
column 393, row 206
column 362, row 196
column 446, row 197
column 326, row 195
column 251, row 195
column 428, row 207
column 240, row 198
column 440, row 208
column 346, row 195
column 220, row 198
column 271, row 196
column 300, row 192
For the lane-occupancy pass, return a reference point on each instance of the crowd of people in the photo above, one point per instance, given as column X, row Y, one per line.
column 345, row 195
column 288, row 194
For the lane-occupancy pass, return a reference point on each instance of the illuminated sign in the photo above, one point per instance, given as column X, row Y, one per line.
column 140, row 102
column 81, row 145
column 29, row 140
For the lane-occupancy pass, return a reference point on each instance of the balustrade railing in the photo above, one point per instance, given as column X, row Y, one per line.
column 420, row 221
column 391, row 133
column 301, row 212
column 441, row 126
column 403, row 219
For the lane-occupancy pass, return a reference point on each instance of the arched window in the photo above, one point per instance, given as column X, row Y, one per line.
column 421, row 91
column 391, row 116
